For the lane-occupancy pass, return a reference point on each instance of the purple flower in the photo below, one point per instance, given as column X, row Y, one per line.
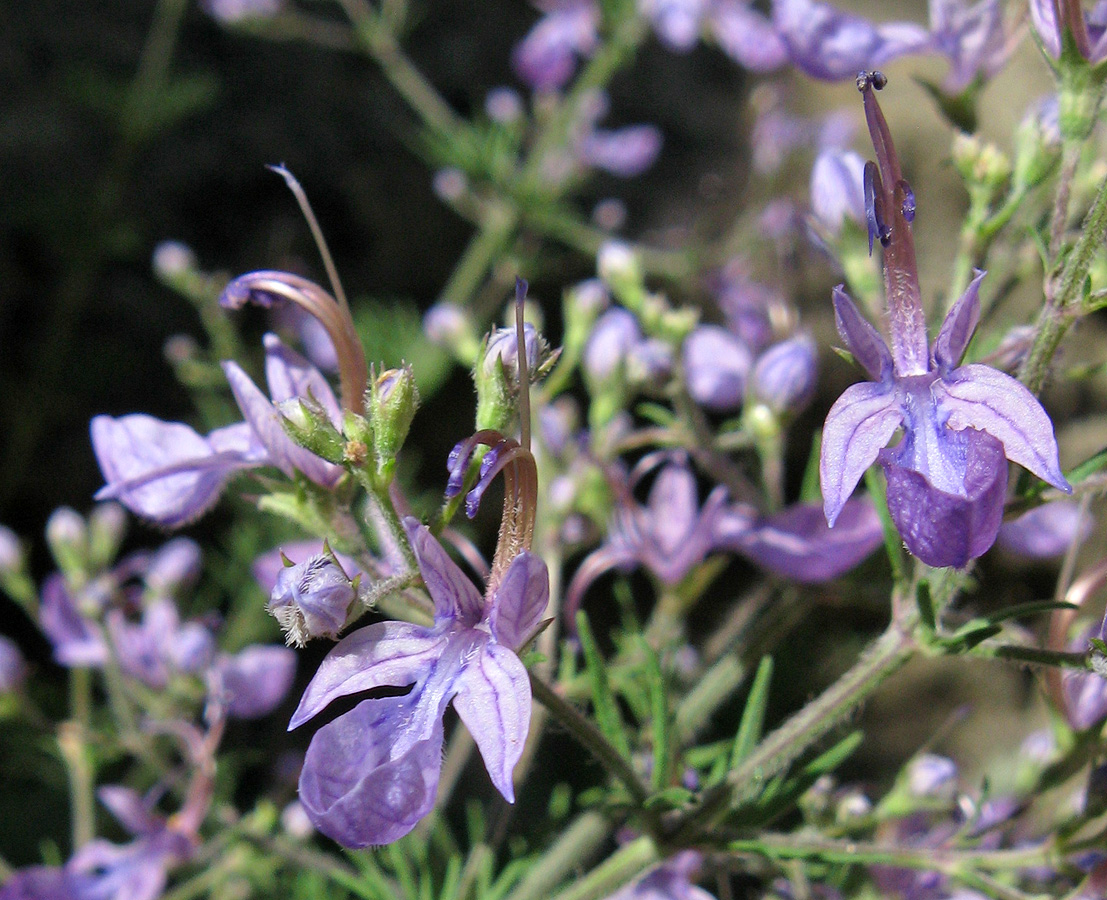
column 76, row 640
column 312, row 599
column 372, row 773
column 624, row 152
column 837, row 189
column 1089, row 30
column 547, row 56
column 289, row 377
column 672, row 880
column 13, row 668
column 797, row 543
column 831, row 45
column 1047, row 531
column 970, row 37
column 252, row 683
column 165, row 471
column 231, row 12
column 746, row 36
column 160, row 646
column 947, row 476
column 675, row 22
column 784, row 376
column 716, row 365
column 614, row 335
column 1084, row 692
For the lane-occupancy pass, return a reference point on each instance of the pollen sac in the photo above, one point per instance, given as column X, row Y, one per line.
column 312, row 599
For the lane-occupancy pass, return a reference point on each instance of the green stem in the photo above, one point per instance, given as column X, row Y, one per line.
column 377, row 39
column 1063, row 303
column 73, row 743
column 850, row 852
column 576, row 843
column 622, row 867
column 498, row 224
column 590, row 737
column 792, row 739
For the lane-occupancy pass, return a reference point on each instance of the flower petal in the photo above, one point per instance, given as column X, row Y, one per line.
column 943, row 528
column 386, row 654
column 162, row 471
column 746, row 36
column 454, row 595
column 861, row 339
column 958, row 326
column 289, row 375
column 255, row 680
column 857, row 427
column 798, row 544
column 978, row 396
column 493, row 700
column 371, row 774
column 520, row 600
column 265, row 420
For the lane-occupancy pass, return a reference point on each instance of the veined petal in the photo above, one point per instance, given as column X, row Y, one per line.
column 978, row 396
column 1043, row 16
column 943, row 528
column 861, row 339
column 265, row 420
column 371, row 774
column 958, row 326
column 289, row 375
column 493, row 700
column 386, row 654
column 857, row 427
column 520, row 600
column 798, row 544
column 454, row 595
column 162, row 471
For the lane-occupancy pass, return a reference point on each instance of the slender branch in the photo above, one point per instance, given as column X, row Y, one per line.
column 582, row 729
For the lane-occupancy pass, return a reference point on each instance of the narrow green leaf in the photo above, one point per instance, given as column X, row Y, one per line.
column 893, row 544
column 670, row 798
column 659, row 717
column 1025, row 609
column 608, row 718
column 753, row 716
column 810, row 491
column 835, row 756
column 451, row 879
column 925, row 604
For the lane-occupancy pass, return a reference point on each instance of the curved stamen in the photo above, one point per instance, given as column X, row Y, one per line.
column 264, row 287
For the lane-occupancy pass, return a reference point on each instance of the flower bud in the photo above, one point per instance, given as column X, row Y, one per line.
column 175, row 567
column 13, row 668
column 312, row 599
column 12, row 559
column 173, row 260
column 497, row 374
column 1037, row 144
column 716, row 364
column 447, row 325
column 107, row 526
column 309, row 425
column 620, row 269
column 503, row 105
column 393, row 399
column 616, row 332
column 67, row 537
column 784, row 375
column 932, row 776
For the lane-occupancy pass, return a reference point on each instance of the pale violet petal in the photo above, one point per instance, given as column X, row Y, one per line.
column 858, row 426
column 386, row 654
column 454, row 595
column 520, row 600
column 978, row 396
column 958, row 326
column 493, row 700
column 366, row 780
column 289, row 375
column 861, row 339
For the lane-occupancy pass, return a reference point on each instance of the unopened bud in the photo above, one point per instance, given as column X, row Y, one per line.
column 312, row 599
column 716, row 365
column 308, row 424
column 620, row 269
column 173, row 260
column 107, row 526
column 67, row 537
column 448, row 326
column 393, row 400
column 784, row 375
column 497, row 374
column 1037, row 144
